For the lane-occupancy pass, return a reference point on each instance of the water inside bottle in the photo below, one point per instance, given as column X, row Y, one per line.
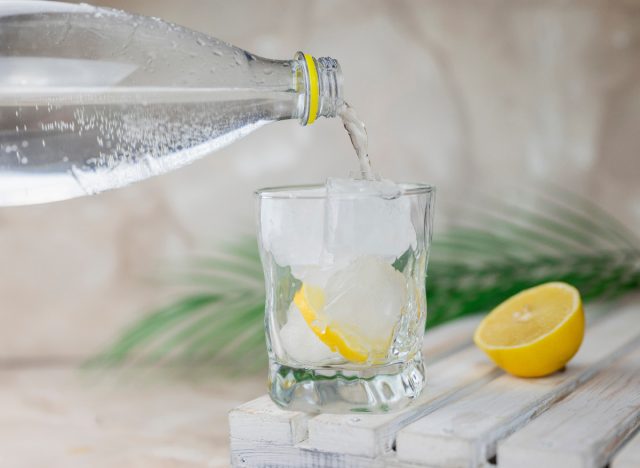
column 108, row 140
column 75, row 142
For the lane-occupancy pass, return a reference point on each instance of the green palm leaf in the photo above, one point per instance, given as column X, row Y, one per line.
column 500, row 249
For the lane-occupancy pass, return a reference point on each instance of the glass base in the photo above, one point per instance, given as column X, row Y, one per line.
column 377, row 389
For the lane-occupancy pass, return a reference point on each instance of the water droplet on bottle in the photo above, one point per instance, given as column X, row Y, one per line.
column 200, row 41
column 267, row 71
column 24, row 143
column 65, row 159
column 24, row 160
column 218, row 52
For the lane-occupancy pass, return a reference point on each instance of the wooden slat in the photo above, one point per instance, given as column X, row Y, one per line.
column 584, row 429
column 465, row 433
column 251, row 454
column 629, row 455
column 246, row 454
column 261, row 420
column 374, row 435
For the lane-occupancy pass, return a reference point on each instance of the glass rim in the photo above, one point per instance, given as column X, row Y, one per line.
column 286, row 191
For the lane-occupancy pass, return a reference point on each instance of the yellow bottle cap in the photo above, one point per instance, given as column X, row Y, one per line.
column 314, row 89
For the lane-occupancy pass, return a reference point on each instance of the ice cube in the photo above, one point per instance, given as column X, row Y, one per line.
column 300, row 343
column 367, row 299
column 292, row 229
column 367, row 217
column 314, row 275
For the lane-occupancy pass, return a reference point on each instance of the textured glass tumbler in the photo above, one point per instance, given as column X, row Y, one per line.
column 345, row 287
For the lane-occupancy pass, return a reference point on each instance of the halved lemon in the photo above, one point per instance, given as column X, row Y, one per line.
column 534, row 333
column 310, row 301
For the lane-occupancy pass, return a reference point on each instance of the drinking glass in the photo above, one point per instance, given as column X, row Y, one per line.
column 345, row 295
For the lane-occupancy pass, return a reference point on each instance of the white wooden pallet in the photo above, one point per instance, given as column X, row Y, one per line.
column 471, row 411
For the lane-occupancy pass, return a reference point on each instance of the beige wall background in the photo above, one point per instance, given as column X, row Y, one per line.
column 463, row 94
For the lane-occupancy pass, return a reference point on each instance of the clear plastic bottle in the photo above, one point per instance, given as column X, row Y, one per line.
column 93, row 98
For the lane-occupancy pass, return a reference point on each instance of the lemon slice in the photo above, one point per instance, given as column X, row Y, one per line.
column 534, row 333
column 310, row 301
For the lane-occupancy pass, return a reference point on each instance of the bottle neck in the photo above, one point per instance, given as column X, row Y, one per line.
column 320, row 83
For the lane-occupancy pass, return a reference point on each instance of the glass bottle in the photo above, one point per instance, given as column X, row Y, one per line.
column 94, row 98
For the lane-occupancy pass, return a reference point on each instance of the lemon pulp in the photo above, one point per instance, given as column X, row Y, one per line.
column 536, row 332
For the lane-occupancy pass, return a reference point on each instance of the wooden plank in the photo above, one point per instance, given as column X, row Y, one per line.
column 374, row 435
column 251, row 454
column 629, row 455
column 584, row 429
column 261, row 420
column 465, row 433
column 247, row 454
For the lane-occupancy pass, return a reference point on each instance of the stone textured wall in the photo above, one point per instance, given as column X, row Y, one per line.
column 462, row 94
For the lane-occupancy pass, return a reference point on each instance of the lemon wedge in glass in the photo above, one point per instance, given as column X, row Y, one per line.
column 310, row 301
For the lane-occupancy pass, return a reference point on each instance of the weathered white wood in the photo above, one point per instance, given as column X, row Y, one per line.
column 248, row 454
column 252, row 454
column 465, row 432
column 584, row 429
column 261, row 420
column 374, row 435
column 629, row 455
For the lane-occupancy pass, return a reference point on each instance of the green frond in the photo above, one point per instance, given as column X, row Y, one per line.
column 156, row 324
column 606, row 221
